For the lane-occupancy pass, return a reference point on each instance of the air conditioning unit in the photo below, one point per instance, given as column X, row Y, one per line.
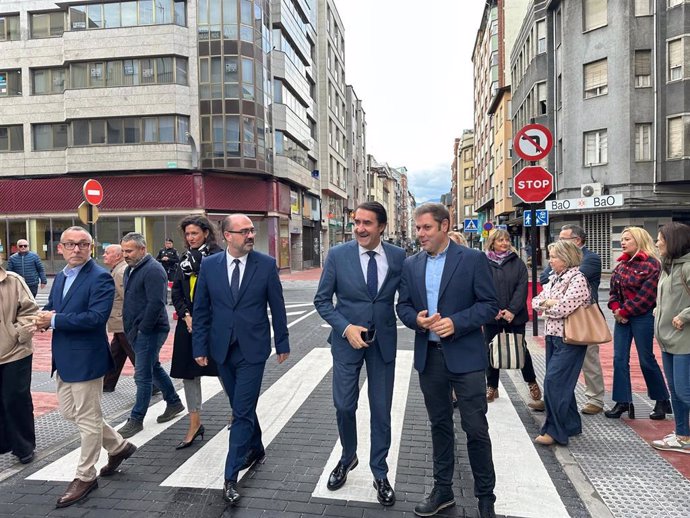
column 587, row 190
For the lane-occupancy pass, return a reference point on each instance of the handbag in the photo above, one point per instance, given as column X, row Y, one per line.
column 586, row 326
column 507, row 351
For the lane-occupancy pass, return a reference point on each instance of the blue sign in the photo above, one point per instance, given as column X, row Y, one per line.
column 542, row 218
column 471, row 225
column 502, row 227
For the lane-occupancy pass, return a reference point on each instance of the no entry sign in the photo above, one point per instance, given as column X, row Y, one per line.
column 533, row 184
column 533, row 142
column 93, row 192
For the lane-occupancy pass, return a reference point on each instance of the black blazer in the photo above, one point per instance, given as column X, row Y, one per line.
column 510, row 280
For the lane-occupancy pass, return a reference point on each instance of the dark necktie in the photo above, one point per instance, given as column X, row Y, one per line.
column 372, row 275
column 235, row 280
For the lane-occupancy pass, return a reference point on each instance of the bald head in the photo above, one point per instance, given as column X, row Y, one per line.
column 112, row 255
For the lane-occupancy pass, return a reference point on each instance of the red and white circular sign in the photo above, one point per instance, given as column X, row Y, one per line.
column 533, row 184
column 533, row 142
column 93, row 192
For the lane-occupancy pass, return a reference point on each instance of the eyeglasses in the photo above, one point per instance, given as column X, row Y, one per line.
column 245, row 231
column 83, row 245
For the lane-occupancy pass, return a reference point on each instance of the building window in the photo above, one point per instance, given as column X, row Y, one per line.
column 48, row 81
column 541, row 98
column 643, row 142
column 678, row 127
column 11, row 138
column 10, row 83
column 594, row 14
column 675, row 60
column 9, row 28
column 47, row 25
column 50, row 136
column 110, row 15
column 164, row 129
column 643, row 8
column 127, row 72
column 673, row 3
column 541, row 36
column 643, row 68
column 596, row 148
column 596, row 78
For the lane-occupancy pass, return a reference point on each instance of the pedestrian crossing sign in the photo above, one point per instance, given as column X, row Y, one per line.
column 471, row 225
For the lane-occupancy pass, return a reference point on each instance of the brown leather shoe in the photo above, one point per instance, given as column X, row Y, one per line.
column 76, row 491
column 590, row 409
column 491, row 394
column 534, row 391
column 544, row 440
column 114, row 461
column 537, row 406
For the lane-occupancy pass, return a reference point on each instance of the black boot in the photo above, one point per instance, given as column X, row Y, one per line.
column 619, row 409
column 660, row 410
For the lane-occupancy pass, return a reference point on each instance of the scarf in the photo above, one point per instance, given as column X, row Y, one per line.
column 191, row 260
column 498, row 257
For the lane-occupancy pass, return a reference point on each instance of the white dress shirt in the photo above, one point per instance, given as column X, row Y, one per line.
column 381, row 263
column 231, row 266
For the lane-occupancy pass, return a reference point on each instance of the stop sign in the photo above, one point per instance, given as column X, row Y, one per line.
column 93, row 192
column 533, row 184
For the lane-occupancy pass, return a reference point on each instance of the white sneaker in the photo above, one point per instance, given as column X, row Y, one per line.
column 671, row 443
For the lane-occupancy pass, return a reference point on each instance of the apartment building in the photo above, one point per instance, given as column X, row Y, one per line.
column 462, row 179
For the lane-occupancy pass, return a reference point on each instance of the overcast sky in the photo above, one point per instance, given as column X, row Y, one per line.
column 411, row 65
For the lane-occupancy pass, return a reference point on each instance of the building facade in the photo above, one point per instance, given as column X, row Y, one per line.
column 462, row 180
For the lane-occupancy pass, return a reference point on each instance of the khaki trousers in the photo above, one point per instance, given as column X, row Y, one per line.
column 81, row 403
column 594, row 377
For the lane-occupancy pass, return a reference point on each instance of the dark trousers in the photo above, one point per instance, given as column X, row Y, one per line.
column 380, row 377
column 120, row 351
column 470, row 388
column 33, row 289
column 527, row 370
column 563, row 366
column 17, row 432
column 242, row 383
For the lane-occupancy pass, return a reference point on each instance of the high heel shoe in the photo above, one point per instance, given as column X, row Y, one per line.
column 199, row 433
column 619, row 409
column 661, row 408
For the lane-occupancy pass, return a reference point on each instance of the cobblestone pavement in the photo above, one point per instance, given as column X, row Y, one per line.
column 607, row 471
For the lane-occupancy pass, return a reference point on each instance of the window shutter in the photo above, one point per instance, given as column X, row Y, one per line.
column 595, row 13
column 596, row 74
column 675, row 53
column 675, row 137
column 643, row 62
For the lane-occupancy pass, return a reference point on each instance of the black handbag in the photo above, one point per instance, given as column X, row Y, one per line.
column 507, row 351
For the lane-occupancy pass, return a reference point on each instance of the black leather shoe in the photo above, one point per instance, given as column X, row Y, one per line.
column 486, row 509
column 339, row 474
column 26, row 459
column 384, row 492
column 199, row 433
column 660, row 410
column 230, row 494
column 436, row 500
column 252, row 457
column 619, row 409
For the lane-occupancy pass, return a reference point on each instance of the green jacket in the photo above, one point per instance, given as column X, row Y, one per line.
column 673, row 299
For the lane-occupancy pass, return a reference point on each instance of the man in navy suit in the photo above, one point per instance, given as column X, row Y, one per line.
column 77, row 311
column 364, row 276
column 231, row 325
column 446, row 294
column 591, row 269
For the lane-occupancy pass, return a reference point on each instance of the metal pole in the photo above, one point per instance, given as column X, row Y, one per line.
column 89, row 218
column 533, row 239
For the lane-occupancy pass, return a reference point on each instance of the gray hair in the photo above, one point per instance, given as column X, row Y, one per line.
column 437, row 210
column 76, row 228
column 576, row 231
column 138, row 238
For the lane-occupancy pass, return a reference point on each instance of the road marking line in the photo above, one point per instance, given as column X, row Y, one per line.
column 299, row 305
column 359, row 482
column 276, row 407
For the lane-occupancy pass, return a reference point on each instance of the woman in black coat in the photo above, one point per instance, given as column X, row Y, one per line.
column 510, row 278
column 200, row 240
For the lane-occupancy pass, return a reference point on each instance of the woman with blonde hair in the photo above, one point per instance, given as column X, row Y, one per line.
column 632, row 297
column 566, row 291
column 510, row 279
column 457, row 237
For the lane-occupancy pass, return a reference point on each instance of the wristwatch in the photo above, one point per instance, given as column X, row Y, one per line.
column 187, row 313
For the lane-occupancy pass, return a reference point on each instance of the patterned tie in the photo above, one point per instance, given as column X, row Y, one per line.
column 372, row 275
column 235, row 280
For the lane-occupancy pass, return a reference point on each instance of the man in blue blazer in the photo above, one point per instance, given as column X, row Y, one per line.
column 591, row 269
column 364, row 276
column 77, row 311
column 231, row 325
column 446, row 294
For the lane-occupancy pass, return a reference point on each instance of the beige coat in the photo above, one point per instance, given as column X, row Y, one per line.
column 115, row 324
column 17, row 306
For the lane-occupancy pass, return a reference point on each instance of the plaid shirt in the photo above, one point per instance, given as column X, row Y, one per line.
column 633, row 285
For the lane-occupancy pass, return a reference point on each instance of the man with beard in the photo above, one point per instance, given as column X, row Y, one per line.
column 364, row 276
column 231, row 325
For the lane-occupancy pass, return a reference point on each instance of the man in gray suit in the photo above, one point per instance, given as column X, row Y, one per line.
column 364, row 276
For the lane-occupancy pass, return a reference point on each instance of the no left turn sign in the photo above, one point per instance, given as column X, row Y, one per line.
column 533, row 142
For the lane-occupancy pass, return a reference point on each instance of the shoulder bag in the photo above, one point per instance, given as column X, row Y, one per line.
column 507, row 351
column 586, row 326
